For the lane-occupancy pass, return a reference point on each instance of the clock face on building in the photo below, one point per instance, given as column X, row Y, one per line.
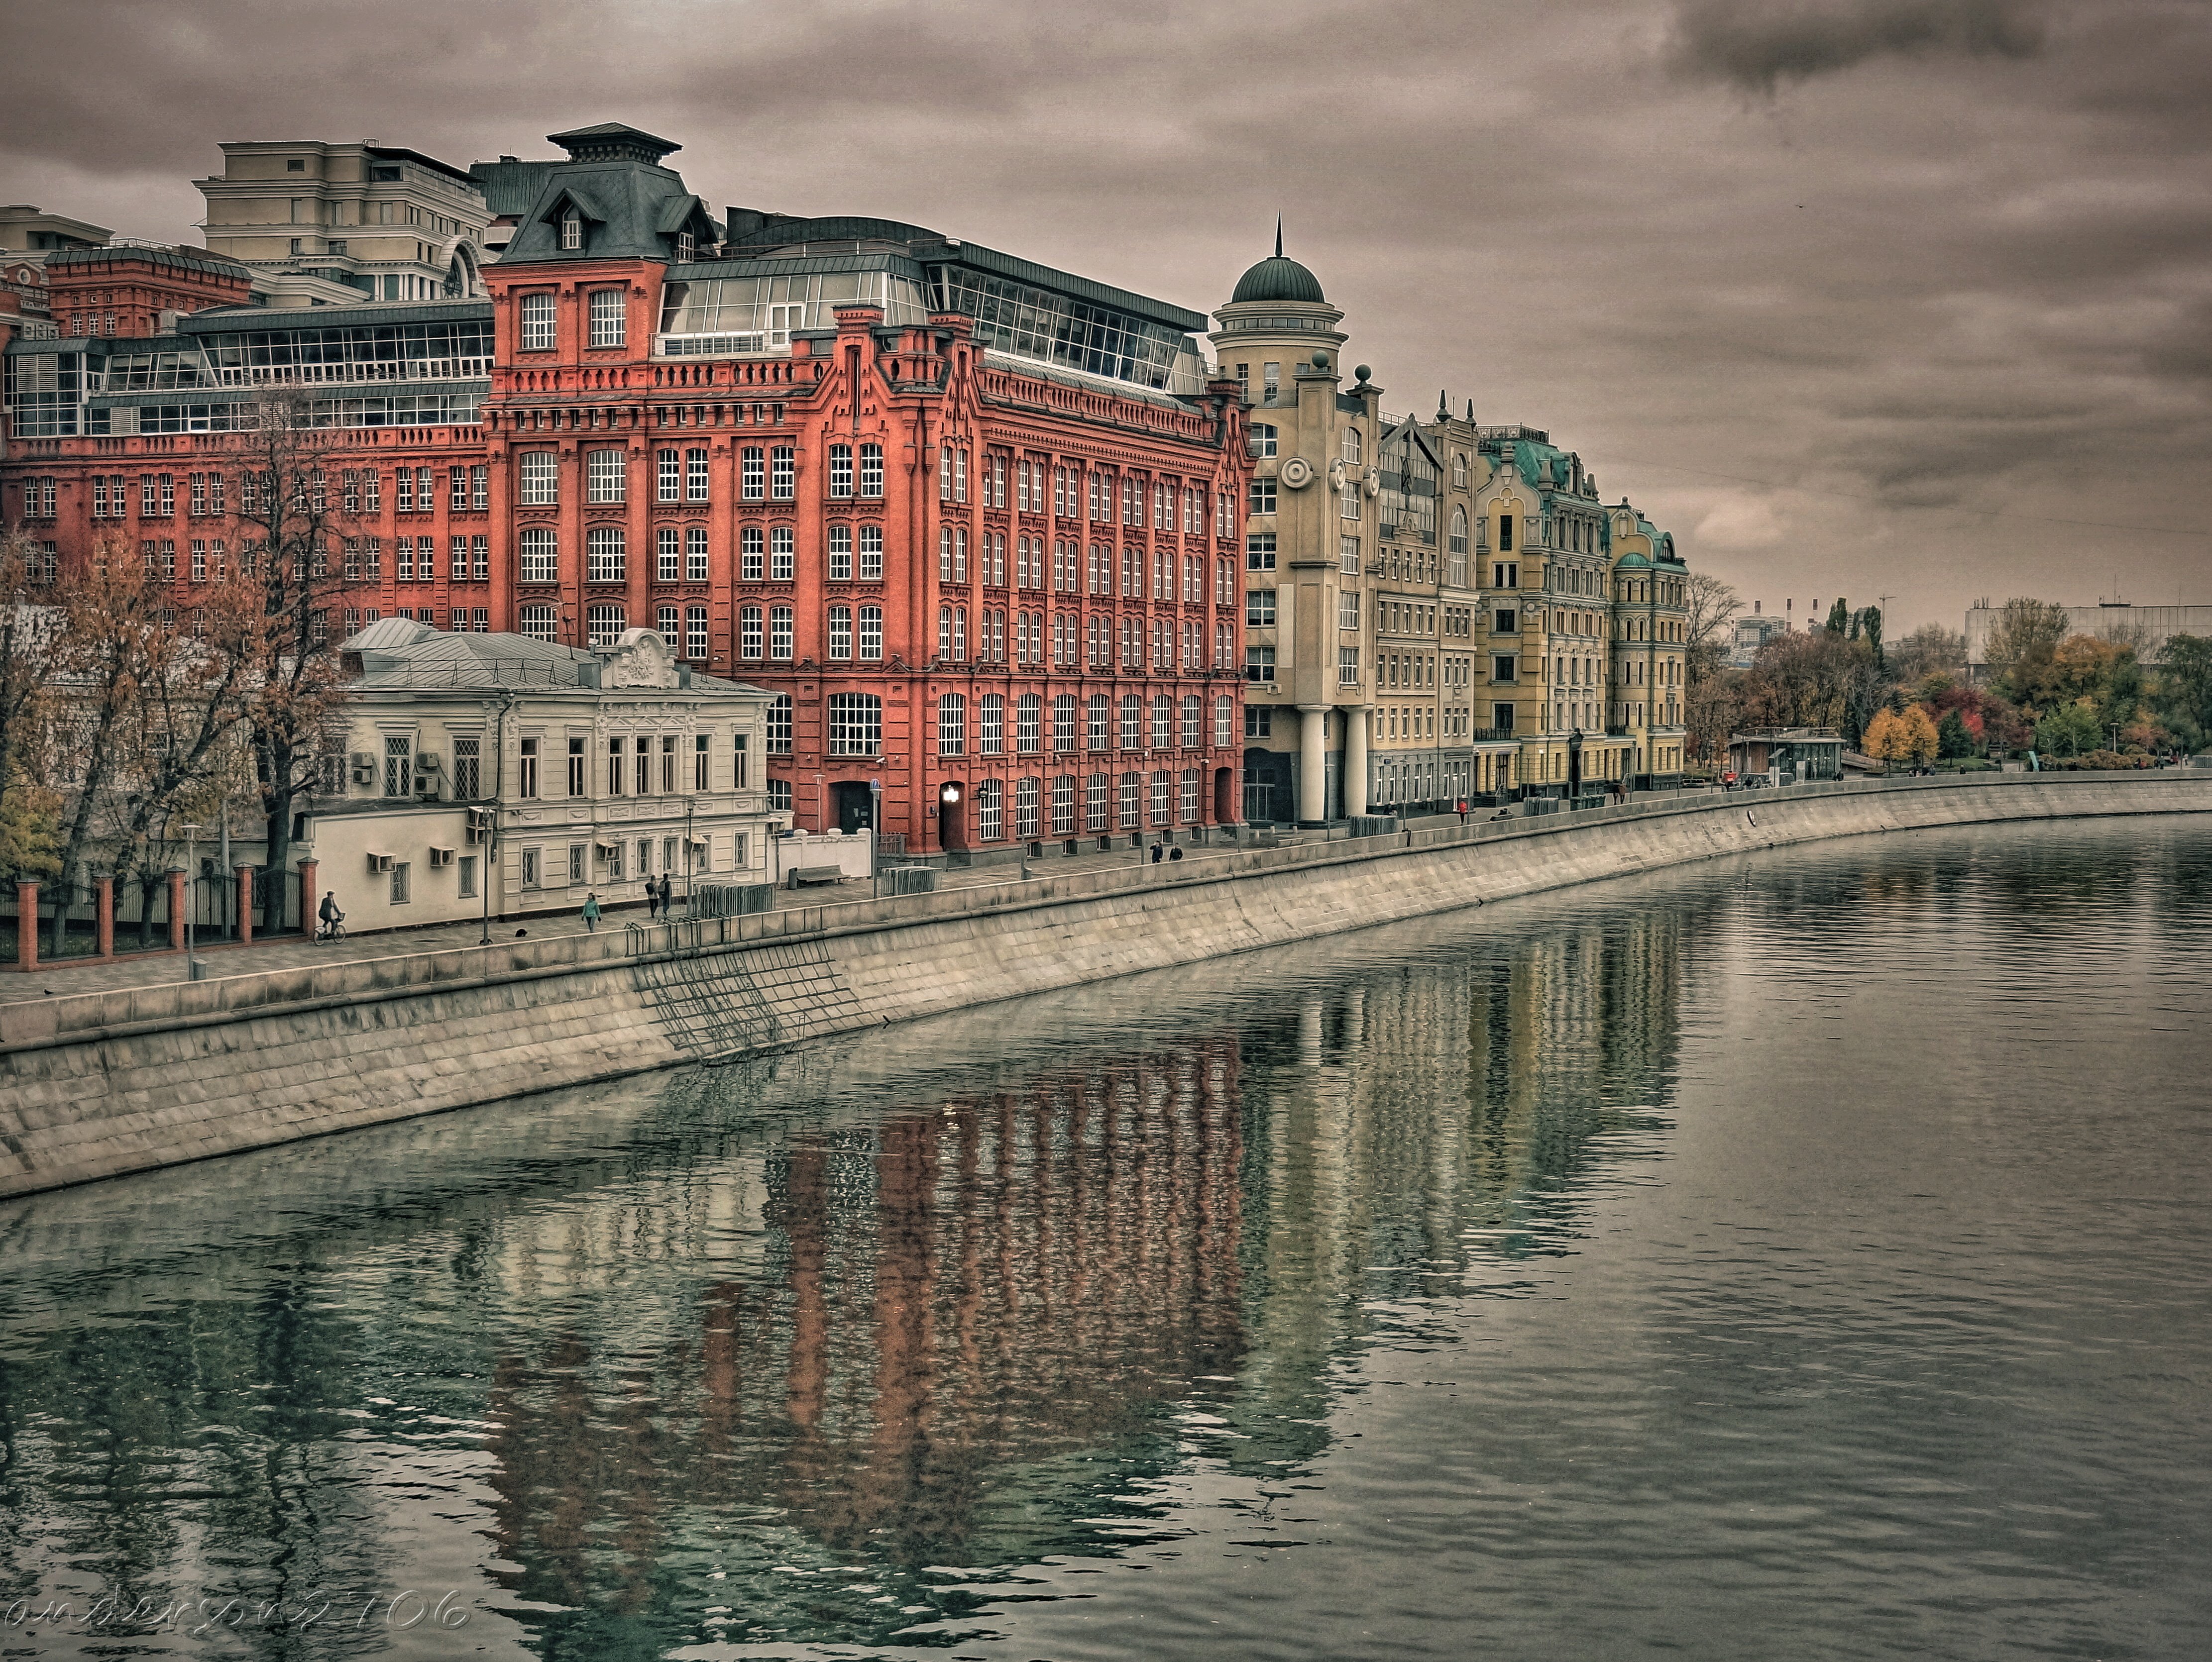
column 1297, row 473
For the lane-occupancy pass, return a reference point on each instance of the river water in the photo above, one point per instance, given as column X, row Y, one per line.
column 1804, row 1255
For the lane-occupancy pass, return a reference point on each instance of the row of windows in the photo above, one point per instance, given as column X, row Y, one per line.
column 765, row 474
column 415, row 559
column 640, row 764
column 1080, row 568
column 1069, row 805
column 1075, row 495
column 1171, row 725
column 607, row 321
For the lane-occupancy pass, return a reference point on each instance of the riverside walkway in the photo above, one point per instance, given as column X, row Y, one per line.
column 161, row 968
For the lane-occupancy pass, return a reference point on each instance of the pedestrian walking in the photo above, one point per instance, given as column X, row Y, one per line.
column 592, row 914
column 667, row 896
column 651, row 899
column 1462, row 810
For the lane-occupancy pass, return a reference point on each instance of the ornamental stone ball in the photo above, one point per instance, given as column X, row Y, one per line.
column 1362, row 372
column 1320, row 360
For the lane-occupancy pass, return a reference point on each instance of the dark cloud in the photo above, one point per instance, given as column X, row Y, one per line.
column 1758, row 44
column 1826, row 335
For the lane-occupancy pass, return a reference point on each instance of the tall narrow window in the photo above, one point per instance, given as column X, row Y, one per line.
column 606, row 477
column 694, row 554
column 609, row 325
column 572, row 232
column 872, row 471
column 537, row 323
column 694, row 475
column 841, row 470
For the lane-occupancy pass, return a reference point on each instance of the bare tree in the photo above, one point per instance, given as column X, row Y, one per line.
column 29, row 627
column 1712, row 606
column 1931, row 649
column 297, row 513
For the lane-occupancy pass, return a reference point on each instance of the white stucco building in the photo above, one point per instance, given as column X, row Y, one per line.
column 540, row 773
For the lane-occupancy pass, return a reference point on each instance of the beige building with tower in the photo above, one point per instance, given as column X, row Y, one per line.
column 334, row 223
column 1437, row 611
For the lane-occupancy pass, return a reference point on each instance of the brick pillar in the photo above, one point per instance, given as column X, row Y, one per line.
column 307, row 896
column 106, row 927
column 26, row 925
column 244, row 905
column 177, row 909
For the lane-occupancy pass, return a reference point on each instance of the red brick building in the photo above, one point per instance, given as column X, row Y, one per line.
column 978, row 519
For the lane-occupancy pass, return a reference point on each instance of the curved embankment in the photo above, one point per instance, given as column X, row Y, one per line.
column 100, row 1084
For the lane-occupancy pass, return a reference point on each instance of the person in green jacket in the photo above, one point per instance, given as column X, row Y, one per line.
column 592, row 913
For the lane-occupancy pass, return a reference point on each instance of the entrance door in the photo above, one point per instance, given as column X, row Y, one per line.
column 856, row 805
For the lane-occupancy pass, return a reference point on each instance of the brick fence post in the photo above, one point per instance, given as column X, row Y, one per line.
column 26, row 925
column 105, row 929
column 176, row 909
column 245, row 906
column 308, row 897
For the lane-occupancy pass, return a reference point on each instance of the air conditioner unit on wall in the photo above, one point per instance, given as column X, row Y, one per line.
column 441, row 857
column 380, row 863
column 364, row 767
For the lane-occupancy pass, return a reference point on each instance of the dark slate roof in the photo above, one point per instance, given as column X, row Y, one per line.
column 190, row 259
column 227, row 319
column 510, row 186
column 1278, row 279
column 612, row 141
column 632, row 210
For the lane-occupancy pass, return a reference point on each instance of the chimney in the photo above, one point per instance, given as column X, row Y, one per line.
column 1755, row 605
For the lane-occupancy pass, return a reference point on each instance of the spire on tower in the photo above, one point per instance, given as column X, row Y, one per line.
column 1279, row 236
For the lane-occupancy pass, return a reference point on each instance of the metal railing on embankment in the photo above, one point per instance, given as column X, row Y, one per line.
column 69, row 1018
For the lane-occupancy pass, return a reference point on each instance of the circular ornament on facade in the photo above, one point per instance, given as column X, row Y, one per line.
column 1296, row 474
column 1372, row 481
column 1336, row 476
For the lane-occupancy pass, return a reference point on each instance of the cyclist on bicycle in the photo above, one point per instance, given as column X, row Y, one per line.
column 332, row 917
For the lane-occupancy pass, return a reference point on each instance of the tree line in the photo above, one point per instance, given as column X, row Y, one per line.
column 2075, row 698
column 132, row 706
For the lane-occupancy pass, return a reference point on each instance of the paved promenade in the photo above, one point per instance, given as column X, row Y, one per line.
column 293, row 951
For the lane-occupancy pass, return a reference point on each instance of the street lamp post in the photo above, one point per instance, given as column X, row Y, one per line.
column 192, row 876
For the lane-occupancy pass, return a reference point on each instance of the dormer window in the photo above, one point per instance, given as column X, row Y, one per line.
column 686, row 249
column 572, row 231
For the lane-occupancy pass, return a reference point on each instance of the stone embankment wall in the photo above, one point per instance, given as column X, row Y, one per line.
column 100, row 1084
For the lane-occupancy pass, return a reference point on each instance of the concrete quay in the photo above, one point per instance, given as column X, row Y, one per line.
column 132, row 1077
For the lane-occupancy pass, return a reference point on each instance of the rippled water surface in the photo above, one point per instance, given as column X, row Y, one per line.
column 1801, row 1256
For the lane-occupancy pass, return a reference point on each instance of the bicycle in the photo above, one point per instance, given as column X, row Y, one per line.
column 332, row 930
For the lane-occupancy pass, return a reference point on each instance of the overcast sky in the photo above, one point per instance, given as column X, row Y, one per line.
column 1867, row 296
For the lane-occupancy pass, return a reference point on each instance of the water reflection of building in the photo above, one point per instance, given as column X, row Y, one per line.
column 968, row 1292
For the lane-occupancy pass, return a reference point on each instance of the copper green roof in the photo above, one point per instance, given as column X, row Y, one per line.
column 1278, row 279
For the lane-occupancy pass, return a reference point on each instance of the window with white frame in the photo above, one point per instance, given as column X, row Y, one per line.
column 1095, row 804
column 538, row 622
column 694, row 554
column 695, row 634
column 1260, row 551
column 1190, row 795
column 667, row 620
column 609, row 324
column 871, row 632
column 872, row 471
column 1194, row 711
column 572, row 232
column 668, row 476
column 779, row 726
column 606, row 477
column 841, row 632
column 537, row 323
column 839, row 554
column 872, row 554
column 1026, row 804
column 991, row 725
column 540, row 563
column 1131, row 801
column 951, row 723
column 604, row 557
column 779, row 633
column 541, row 479
column 1028, row 718
column 990, row 811
column 783, row 473
column 668, row 553
column 752, row 474
column 752, row 558
column 750, row 636
column 783, row 558
column 856, row 724
column 841, row 470
column 1063, row 805
column 694, row 475
column 1260, row 609
column 605, row 625
column 1224, row 721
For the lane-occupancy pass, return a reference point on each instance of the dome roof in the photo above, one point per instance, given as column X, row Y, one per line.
column 1279, row 279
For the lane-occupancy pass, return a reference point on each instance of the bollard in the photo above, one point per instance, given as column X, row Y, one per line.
column 307, row 896
column 177, row 909
column 26, row 925
column 246, row 905
column 104, row 928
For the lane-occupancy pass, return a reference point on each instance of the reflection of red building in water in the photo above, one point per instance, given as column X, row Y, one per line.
column 978, row 520
column 995, row 1284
